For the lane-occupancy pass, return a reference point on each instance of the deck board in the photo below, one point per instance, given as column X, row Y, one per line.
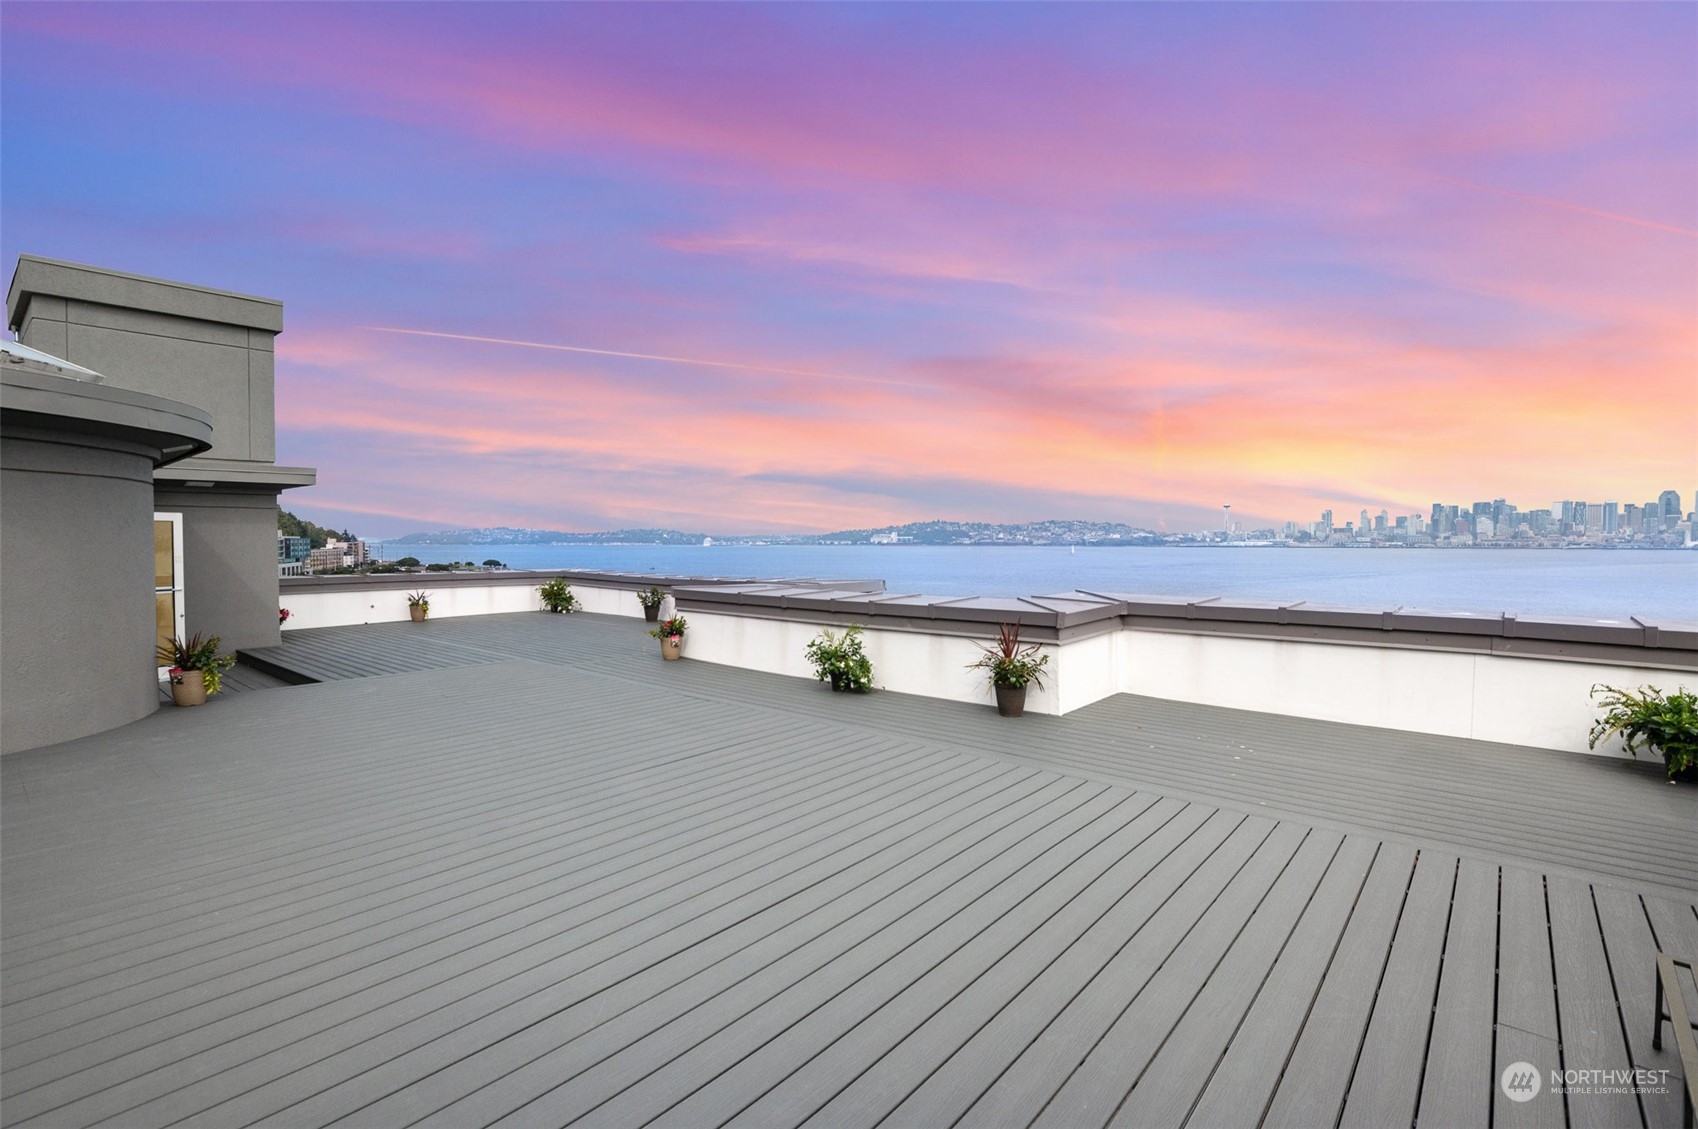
column 1386, row 1084
column 540, row 878
column 1457, row 1085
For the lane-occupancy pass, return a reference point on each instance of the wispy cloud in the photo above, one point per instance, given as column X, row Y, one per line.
column 555, row 347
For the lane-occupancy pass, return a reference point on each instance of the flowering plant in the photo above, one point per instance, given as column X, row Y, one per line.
column 669, row 628
column 842, row 660
column 283, row 614
column 197, row 653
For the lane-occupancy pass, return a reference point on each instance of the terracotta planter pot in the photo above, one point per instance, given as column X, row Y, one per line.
column 652, row 613
column 417, row 613
column 191, row 691
column 1010, row 700
column 672, row 649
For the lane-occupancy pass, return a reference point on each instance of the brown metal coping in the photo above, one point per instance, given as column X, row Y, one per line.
column 1069, row 616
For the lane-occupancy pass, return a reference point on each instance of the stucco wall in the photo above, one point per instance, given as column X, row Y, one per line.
column 388, row 603
column 204, row 347
column 229, row 562
column 77, row 562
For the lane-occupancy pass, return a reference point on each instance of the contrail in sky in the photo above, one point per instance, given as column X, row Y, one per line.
column 1546, row 200
column 637, row 356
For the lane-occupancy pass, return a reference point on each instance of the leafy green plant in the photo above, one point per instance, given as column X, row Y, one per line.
column 669, row 628
column 420, row 600
column 1666, row 722
column 842, row 660
column 557, row 596
column 197, row 653
column 650, row 597
column 1011, row 663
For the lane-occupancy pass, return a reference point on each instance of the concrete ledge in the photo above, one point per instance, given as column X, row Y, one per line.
column 48, row 403
column 102, row 286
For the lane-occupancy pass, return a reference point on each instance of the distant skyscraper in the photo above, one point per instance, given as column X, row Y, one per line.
column 1562, row 511
column 1582, row 516
column 1669, row 501
column 1609, row 519
column 1651, row 517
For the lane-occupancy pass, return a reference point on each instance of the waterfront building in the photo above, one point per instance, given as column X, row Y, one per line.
column 338, row 554
column 292, row 550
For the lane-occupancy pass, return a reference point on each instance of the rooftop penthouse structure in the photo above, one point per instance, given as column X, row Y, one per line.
column 141, row 487
column 506, row 867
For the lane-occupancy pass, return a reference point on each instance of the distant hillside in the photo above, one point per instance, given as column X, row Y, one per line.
column 506, row 535
column 1054, row 532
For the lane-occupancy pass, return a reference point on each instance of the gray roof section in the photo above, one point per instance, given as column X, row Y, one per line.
column 48, row 401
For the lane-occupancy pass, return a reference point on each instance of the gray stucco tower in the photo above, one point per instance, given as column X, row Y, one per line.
column 182, row 357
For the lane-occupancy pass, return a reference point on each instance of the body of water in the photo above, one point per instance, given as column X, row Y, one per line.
column 1530, row 583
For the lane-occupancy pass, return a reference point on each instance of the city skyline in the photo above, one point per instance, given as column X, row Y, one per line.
column 813, row 268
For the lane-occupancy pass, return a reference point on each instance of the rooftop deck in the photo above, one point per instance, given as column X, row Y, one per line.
column 515, row 869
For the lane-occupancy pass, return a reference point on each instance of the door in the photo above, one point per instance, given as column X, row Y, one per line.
column 168, row 577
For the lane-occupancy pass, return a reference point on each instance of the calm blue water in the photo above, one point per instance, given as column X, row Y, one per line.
column 1592, row 584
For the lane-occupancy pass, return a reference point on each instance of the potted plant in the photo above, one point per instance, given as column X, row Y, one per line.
column 418, row 605
column 670, row 632
column 842, row 660
column 196, row 668
column 1011, row 665
column 283, row 615
column 1665, row 722
column 650, row 598
column 557, row 596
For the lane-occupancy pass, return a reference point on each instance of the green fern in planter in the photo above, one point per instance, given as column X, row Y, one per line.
column 1667, row 723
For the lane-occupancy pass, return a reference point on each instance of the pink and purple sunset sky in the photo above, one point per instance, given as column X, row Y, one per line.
column 898, row 262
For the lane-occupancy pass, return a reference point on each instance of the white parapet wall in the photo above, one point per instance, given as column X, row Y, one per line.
column 1540, row 702
column 1437, row 675
column 340, row 608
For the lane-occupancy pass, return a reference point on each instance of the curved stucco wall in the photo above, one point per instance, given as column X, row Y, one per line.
column 76, row 570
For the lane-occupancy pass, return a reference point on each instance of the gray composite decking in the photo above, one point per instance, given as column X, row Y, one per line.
column 515, row 870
